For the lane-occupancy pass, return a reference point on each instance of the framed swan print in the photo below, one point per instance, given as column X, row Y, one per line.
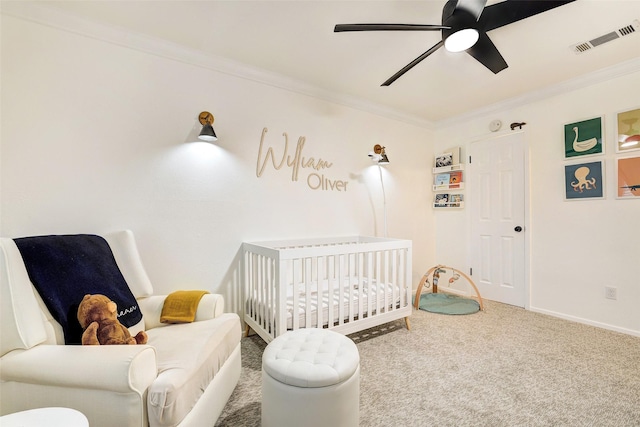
column 583, row 138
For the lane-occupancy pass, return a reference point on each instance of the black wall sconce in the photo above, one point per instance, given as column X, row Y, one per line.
column 207, row 133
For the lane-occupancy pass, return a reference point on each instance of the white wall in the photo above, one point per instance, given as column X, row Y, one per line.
column 93, row 140
column 577, row 247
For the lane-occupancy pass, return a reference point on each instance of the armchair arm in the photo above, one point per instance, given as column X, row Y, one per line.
column 115, row 368
column 210, row 307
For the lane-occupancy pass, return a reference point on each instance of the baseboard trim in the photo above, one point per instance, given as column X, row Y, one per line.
column 586, row 321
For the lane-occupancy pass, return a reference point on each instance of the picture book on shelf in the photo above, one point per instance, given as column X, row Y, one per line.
column 444, row 159
column 441, row 199
column 442, row 179
column 455, row 178
column 455, row 200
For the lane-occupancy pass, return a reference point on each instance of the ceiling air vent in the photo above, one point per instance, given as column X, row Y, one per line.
column 632, row 28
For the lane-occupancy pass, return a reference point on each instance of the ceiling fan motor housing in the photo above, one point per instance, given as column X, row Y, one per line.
column 459, row 20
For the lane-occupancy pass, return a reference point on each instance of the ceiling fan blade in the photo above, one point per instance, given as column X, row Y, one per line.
column 413, row 63
column 510, row 11
column 474, row 7
column 487, row 54
column 387, row 27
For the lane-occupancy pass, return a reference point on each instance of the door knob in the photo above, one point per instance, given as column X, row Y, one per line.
column 518, row 229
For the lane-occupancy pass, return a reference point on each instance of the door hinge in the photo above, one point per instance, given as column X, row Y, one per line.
column 470, row 271
column 469, row 159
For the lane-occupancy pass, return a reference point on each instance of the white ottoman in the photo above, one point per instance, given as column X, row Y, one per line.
column 311, row 377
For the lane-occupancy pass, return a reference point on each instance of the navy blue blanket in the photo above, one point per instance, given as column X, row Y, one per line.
column 65, row 268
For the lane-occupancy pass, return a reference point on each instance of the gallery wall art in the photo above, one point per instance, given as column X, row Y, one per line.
column 628, row 176
column 628, row 131
column 584, row 181
column 583, row 138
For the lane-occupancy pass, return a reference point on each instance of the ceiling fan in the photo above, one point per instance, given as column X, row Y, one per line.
column 464, row 27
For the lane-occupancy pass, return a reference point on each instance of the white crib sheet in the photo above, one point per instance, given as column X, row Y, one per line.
column 350, row 300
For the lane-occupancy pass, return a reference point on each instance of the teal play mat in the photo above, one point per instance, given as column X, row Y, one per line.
column 448, row 304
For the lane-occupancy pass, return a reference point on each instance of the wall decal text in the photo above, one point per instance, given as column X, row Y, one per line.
column 315, row 181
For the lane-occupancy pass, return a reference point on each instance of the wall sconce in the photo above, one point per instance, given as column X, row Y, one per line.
column 378, row 155
column 207, row 133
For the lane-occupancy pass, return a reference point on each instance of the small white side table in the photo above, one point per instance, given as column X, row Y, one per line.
column 50, row 417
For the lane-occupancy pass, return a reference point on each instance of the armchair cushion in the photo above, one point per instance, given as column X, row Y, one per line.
column 65, row 268
column 189, row 356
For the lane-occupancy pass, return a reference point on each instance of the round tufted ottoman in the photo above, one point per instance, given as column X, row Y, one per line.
column 311, row 377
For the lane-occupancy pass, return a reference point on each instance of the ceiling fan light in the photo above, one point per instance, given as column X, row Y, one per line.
column 461, row 40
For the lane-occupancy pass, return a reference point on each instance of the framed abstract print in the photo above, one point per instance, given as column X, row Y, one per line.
column 628, row 178
column 628, row 131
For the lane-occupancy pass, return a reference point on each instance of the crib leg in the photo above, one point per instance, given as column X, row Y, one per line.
column 407, row 322
column 246, row 333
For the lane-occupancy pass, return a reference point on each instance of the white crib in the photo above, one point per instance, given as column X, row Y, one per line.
column 346, row 284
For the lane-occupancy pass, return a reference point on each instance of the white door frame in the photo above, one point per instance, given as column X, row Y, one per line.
column 527, row 225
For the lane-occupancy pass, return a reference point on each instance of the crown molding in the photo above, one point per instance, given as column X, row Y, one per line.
column 49, row 16
column 52, row 17
column 598, row 76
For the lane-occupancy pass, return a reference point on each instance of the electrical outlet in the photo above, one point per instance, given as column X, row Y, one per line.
column 610, row 292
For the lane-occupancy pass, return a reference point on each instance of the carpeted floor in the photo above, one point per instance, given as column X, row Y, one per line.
column 502, row 367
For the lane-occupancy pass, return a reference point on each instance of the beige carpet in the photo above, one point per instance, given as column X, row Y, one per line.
column 502, row 367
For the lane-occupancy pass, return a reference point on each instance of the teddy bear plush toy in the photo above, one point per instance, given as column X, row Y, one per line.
column 98, row 317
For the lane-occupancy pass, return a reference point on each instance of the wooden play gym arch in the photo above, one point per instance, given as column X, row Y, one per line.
column 437, row 268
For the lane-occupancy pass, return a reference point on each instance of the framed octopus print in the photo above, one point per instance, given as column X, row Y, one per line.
column 628, row 133
column 628, row 173
column 583, row 138
column 584, row 181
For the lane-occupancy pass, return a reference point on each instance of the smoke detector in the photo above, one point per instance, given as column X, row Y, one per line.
column 632, row 28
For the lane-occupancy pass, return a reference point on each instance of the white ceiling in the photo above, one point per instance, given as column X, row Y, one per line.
column 296, row 39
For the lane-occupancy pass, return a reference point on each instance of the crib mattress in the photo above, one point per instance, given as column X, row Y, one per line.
column 344, row 301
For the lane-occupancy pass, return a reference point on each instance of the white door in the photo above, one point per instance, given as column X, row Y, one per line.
column 497, row 198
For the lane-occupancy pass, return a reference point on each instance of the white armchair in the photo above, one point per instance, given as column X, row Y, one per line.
column 183, row 376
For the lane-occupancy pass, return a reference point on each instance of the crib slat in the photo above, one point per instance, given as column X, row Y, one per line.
column 360, row 282
column 263, row 292
column 281, row 297
column 320, row 290
column 393, row 280
column 379, row 282
column 296, row 271
column 370, row 283
column 308, row 288
column 400, row 280
column 331, row 288
column 271, row 294
column 339, row 275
